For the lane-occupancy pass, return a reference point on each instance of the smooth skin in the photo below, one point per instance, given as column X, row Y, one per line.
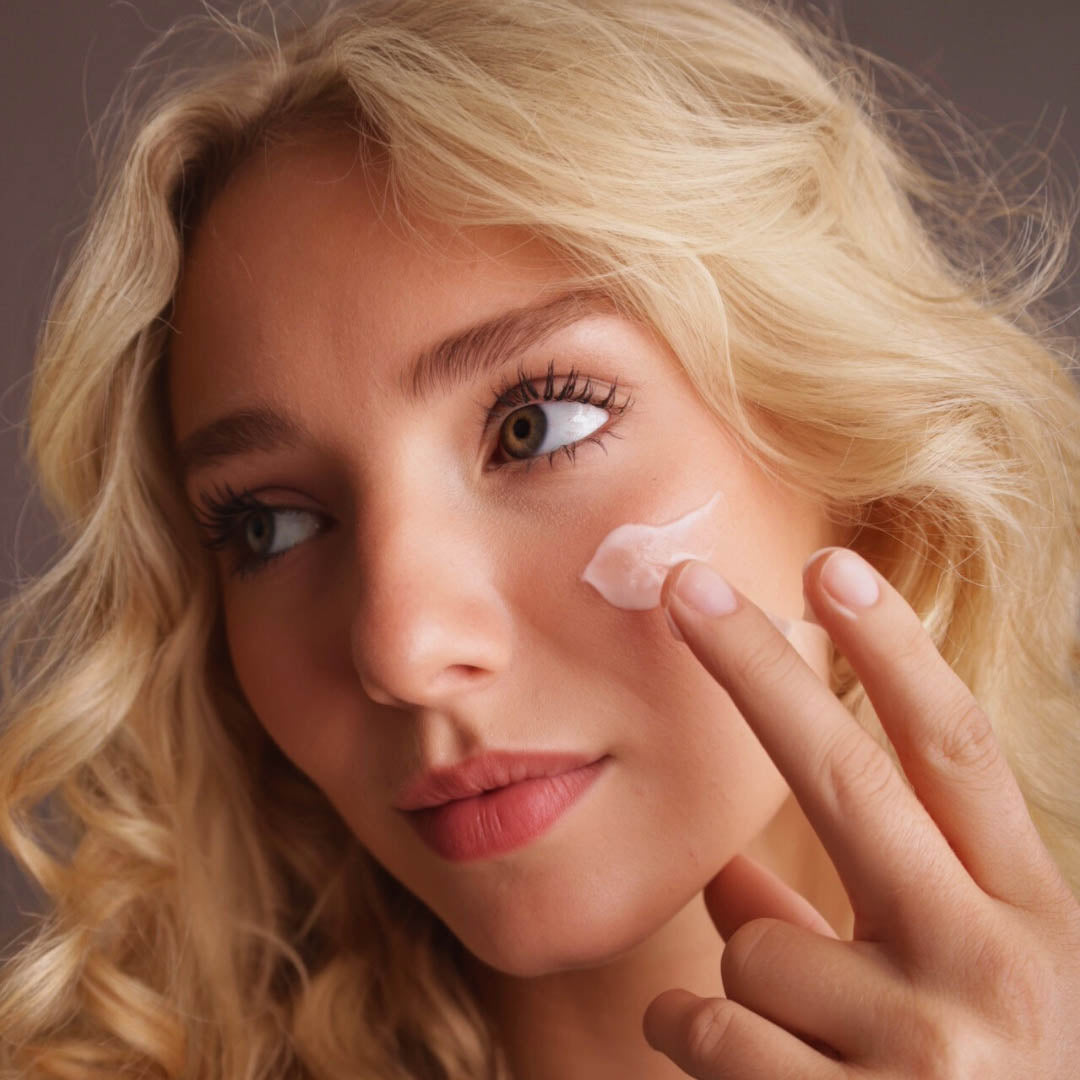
column 965, row 959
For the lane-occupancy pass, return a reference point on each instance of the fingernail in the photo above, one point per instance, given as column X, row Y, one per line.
column 702, row 588
column 820, row 551
column 808, row 611
column 849, row 580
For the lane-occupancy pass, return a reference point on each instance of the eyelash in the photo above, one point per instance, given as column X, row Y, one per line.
column 226, row 510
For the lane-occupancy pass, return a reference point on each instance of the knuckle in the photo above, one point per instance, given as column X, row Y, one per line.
column 967, row 745
column 957, row 1032
column 768, row 659
column 936, row 1048
column 933, row 1053
column 856, row 769
column 1016, row 988
column 708, row 1029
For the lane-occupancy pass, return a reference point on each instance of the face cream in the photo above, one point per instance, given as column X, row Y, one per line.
column 629, row 566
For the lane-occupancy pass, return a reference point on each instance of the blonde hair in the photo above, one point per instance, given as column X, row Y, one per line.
column 869, row 326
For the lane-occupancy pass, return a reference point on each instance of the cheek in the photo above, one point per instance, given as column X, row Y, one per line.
column 682, row 731
column 272, row 669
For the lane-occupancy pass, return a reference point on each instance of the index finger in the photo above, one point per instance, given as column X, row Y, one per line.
column 895, row 864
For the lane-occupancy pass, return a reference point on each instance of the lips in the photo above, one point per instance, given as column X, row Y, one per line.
column 507, row 819
column 488, row 772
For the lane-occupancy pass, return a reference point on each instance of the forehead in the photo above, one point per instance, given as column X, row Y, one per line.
column 302, row 266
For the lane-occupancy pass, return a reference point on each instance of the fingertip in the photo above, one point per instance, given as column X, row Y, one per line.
column 663, row 1016
column 676, row 633
column 671, row 579
column 817, row 556
column 809, row 615
column 811, row 581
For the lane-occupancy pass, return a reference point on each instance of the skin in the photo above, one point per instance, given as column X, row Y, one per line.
column 965, row 956
column 439, row 611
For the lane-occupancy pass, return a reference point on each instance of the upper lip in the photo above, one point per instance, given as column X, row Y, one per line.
column 494, row 769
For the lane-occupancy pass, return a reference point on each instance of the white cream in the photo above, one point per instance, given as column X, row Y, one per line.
column 629, row 566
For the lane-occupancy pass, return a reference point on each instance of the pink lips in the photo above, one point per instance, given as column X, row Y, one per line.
column 496, row 803
column 494, row 769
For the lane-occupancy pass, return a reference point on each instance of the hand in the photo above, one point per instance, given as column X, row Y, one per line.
column 965, row 958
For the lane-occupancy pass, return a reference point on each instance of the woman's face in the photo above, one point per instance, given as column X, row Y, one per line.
column 425, row 603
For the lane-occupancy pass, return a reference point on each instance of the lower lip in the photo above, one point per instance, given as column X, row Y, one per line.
column 501, row 820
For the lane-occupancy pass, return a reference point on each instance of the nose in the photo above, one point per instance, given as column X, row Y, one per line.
column 429, row 625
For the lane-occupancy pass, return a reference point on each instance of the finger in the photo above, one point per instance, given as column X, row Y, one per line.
column 719, row 1039
column 895, row 866
column 745, row 890
column 831, row 993
column 943, row 739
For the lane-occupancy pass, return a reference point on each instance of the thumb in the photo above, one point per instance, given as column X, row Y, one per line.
column 745, row 890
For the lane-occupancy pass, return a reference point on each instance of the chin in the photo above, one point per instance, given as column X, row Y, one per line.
column 572, row 931
column 531, row 956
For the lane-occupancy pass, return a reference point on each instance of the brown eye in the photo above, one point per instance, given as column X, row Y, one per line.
column 523, row 431
column 547, row 426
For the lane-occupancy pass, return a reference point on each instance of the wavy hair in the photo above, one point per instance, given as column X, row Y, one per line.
column 858, row 289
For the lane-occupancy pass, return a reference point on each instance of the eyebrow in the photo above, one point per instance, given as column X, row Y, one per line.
column 456, row 361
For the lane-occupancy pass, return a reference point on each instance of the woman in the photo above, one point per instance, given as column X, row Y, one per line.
column 340, row 295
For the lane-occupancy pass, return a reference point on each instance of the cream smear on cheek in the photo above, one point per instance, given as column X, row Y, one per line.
column 629, row 566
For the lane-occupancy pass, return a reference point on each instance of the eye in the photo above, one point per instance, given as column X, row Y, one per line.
column 241, row 523
column 271, row 532
column 534, row 422
column 543, row 427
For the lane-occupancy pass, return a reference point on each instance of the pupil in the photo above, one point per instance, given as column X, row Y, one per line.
column 257, row 529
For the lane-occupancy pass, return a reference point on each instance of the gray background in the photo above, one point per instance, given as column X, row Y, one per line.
column 1004, row 64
